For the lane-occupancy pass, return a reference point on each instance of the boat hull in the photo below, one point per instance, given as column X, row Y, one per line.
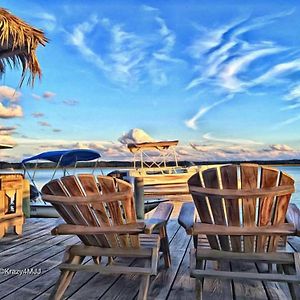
column 43, row 211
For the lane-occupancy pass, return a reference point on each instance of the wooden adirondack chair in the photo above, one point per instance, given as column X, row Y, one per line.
column 242, row 211
column 101, row 211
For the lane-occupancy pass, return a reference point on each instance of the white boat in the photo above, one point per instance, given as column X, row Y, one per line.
column 152, row 162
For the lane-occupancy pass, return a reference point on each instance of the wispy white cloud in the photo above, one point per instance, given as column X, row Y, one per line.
column 292, row 97
column 149, row 8
column 287, row 122
column 291, row 106
column 192, row 122
column 47, row 20
column 209, row 137
column 78, row 39
column 278, row 70
column 225, row 57
column 228, row 76
column 294, row 93
column 128, row 58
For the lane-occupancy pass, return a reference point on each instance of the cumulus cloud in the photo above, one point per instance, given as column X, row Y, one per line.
column 8, row 108
column 7, row 130
column 11, row 111
column 208, row 150
column 48, row 95
column 135, row 135
column 38, row 114
column 7, row 140
column 212, row 152
column 279, row 147
column 6, row 133
column 70, row 102
column 36, row 97
column 44, row 124
column 8, row 93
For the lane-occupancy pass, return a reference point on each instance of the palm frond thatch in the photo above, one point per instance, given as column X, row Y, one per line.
column 18, row 43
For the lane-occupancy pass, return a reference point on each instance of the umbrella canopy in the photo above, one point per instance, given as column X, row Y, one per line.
column 18, row 43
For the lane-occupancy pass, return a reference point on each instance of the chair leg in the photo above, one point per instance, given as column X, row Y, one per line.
column 199, row 281
column 164, row 243
column 294, row 288
column 97, row 260
column 195, row 240
column 199, row 288
column 144, row 286
column 65, row 276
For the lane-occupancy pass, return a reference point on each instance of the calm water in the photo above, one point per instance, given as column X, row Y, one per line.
column 43, row 176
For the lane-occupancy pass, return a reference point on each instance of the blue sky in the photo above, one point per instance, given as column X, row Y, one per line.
column 223, row 77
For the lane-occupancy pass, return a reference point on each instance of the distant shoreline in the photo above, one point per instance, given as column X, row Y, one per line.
column 129, row 164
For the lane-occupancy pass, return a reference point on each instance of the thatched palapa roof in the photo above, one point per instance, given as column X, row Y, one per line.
column 18, row 43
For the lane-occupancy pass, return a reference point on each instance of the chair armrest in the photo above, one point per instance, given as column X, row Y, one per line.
column 187, row 217
column 293, row 217
column 159, row 218
column 66, row 229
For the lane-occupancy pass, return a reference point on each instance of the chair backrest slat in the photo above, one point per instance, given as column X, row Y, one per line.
column 281, row 206
column 230, row 181
column 84, row 213
column 249, row 178
column 55, row 187
column 210, row 178
column 269, row 179
column 203, row 210
column 91, row 187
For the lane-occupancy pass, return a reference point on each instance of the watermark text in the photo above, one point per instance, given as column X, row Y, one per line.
column 20, row 272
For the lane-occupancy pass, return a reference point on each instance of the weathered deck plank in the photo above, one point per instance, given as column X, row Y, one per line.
column 45, row 261
column 184, row 286
column 38, row 249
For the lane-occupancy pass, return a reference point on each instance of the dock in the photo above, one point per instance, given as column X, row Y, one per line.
column 38, row 254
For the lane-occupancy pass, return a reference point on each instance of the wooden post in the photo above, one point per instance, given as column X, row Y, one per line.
column 139, row 197
column 26, row 198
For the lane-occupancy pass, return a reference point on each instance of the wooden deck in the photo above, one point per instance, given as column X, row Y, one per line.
column 38, row 250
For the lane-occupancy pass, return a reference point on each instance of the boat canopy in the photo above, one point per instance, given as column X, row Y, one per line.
column 162, row 145
column 65, row 157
